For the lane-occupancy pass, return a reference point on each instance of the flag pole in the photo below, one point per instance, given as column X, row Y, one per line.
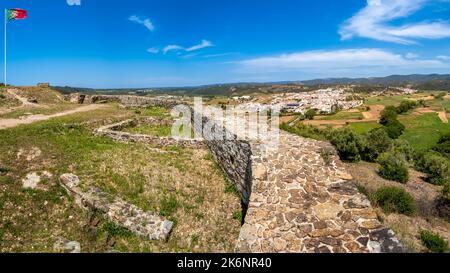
column 5, row 51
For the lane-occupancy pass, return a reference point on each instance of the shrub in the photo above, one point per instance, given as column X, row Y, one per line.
column 436, row 166
column 393, row 199
column 348, row 143
column 376, row 143
column 443, row 146
column 393, row 167
column 388, row 115
column 406, row 106
column 434, row 242
column 401, row 146
column 310, row 114
column 395, row 129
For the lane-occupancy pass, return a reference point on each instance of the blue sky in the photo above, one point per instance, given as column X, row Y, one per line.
column 154, row 43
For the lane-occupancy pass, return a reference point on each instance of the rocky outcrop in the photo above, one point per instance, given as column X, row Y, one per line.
column 145, row 224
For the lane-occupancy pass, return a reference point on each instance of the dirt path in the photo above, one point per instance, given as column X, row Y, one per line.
column 443, row 116
column 11, row 123
column 24, row 101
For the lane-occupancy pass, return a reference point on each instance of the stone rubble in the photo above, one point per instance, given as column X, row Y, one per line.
column 145, row 224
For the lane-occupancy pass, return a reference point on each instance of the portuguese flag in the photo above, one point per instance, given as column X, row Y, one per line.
column 16, row 14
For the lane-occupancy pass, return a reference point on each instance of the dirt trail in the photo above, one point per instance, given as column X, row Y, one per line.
column 24, row 101
column 11, row 123
column 443, row 116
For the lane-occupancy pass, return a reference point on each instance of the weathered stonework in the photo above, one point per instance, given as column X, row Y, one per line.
column 113, row 131
column 127, row 101
column 145, row 224
column 296, row 201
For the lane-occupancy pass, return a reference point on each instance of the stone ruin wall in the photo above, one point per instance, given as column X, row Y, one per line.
column 233, row 156
column 127, row 101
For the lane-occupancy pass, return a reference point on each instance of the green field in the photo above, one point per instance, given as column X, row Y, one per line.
column 386, row 101
column 344, row 116
column 364, row 127
column 423, row 132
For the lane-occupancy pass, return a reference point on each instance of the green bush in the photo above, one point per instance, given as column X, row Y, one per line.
column 395, row 129
column 310, row 114
column 443, row 146
column 436, row 166
column 393, row 199
column 348, row 144
column 377, row 142
column 401, row 146
column 393, row 167
column 388, row 115
column 434, row 242
column 406, row 106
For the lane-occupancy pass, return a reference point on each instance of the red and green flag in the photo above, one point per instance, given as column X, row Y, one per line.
column 16, row 14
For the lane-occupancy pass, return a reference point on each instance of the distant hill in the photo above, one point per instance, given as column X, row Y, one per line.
column 432, row 82
column 429, row 82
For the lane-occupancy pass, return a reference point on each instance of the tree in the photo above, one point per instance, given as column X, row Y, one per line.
column 377, row 142
column 388, row 115
column 348, row 144
column 406, row 105
column 310, row 114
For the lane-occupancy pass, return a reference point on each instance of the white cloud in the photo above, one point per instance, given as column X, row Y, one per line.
column 203, row 44
column 153, row 50
column 172, row 48
column 74, row 2
column 443, row 57
column 373, row 22
column 145, row 22
column 411, row 56
column 348, row 59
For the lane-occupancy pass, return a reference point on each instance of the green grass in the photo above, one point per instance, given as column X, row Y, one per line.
column 364, row 127
column 344, row 116
column 439, row 105
column 148, row 129
column 423, row 132
column 155, row 112
column 165, row 180
column 386, row 100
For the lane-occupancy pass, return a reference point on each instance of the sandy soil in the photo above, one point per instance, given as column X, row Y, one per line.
column 374, row 114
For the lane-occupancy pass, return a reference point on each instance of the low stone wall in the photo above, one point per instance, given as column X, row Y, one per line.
column 145, row 224
column 125, row 100
column 113, row 131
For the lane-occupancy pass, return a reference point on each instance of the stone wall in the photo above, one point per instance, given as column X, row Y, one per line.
column 113, row 131
column 145, row 224
column 233, row 156
column 125, row 100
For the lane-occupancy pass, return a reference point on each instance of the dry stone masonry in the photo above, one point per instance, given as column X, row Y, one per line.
column 114, row 131
column 145, row 224
column 297, row 202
